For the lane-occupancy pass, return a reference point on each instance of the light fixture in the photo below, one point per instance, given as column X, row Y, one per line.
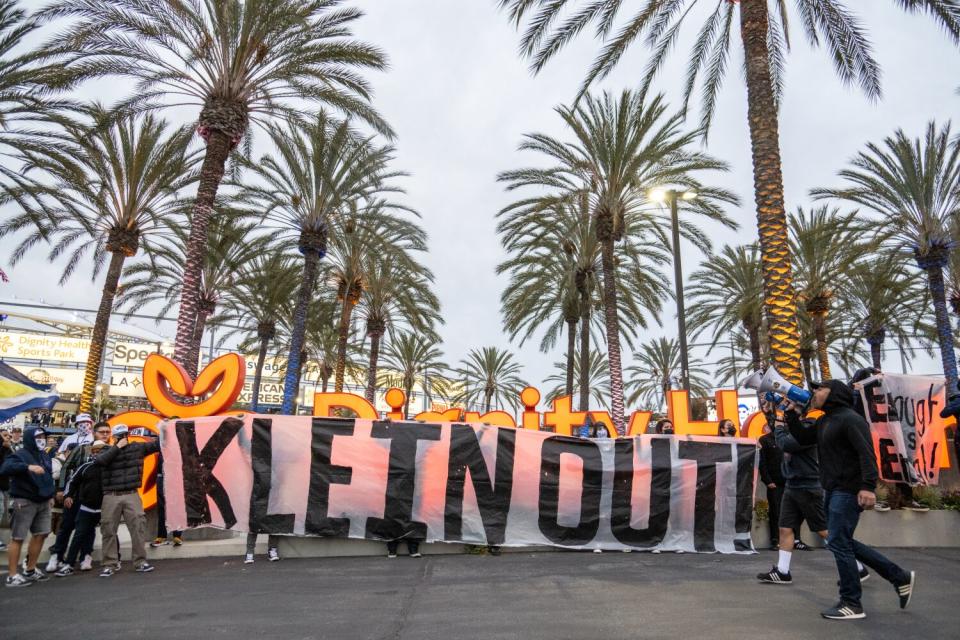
column 689, row 195
column 658, row 195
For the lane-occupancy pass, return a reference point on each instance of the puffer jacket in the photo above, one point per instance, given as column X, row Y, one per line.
column 123, row 468
column 86, row 485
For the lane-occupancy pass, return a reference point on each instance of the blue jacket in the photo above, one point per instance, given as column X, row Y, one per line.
column 25, row 484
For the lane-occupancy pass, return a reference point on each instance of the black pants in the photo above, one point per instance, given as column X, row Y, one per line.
column 413, row 546
column 774, row 497
column 83, row 537
column 67, row 524
column 162, row 513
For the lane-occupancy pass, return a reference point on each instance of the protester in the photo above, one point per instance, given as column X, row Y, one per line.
column 122, row 475
column 5, row 450
column 78, row 457
column 16, row 439
column 162, row 533
column 83, row 434
column 273, row 555
column 413, row 547
column 726, row 429
column 32, row 489
column 664, row 426
column 84, row 489
column 771, row 474
column 848, row 474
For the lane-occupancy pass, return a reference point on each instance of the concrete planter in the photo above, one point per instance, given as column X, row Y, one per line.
column 899, row 528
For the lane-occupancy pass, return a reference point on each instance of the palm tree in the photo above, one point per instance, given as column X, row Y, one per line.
column 622, row 148
column 98, row 192
column 657, row 366
column 240, row 61
column 319, row 172
column 766, row 41
column 598, row 383
column 411, row 359
column 726, row 294
column 873, row 295
column 320, row 340
column 160, row 277
column 914, row 187
column 257, row 301
column 489, row 375
column 394, row 296
column 824, row 244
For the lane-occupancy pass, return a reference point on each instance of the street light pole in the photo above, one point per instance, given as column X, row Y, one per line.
column 678, row 282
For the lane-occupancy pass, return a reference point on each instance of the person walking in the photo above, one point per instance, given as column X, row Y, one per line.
column 122, row 475
column 771, row 474
column 848, row 475
column 85, row 488
column 32, row 489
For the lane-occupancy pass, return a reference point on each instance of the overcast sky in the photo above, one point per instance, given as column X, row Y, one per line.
column 460, row 97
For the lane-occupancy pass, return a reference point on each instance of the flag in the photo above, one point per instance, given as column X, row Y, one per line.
column 18, row 393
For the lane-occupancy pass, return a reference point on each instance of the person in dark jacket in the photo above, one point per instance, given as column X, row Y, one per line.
column 85, row 489
column 771, row 474
column 32, row 489
column 848, row 474
column 122, row 475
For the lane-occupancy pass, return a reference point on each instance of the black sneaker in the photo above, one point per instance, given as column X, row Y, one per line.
column 775, row 577
column 864, row 575
column 64, row 571
column 800, row 545
column 905, row 590
column 106, row 572
column 843, row 611
column 36, row 575
column 146, row 567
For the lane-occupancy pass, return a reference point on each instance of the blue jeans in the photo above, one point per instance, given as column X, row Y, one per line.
column 843, row 514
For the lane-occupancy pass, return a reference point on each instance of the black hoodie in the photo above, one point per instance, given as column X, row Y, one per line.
column 36, row 487
column 844, row 444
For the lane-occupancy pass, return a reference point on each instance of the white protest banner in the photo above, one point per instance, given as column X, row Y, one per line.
column 458, row 482
column 904, row 416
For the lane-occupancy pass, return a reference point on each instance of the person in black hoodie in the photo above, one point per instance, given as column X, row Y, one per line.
column 32, row 489
column 848, row 473
column 85, row 488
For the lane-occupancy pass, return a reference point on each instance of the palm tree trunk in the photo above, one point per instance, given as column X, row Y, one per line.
column 612, row 322
column 585, row 359
column 211, row 174
column 805, row 361
column 100, row 327
column 820, row 331
column 372, row 368
column 779, row 300
column 326, row 381
column 571, row 353
column 196, row 342
column 753, row 333
column 344, row 335
column 487, row 397
column 944, row 331
column 406, row 401
column 258, row 374
column 311, row 264
column 875, row 340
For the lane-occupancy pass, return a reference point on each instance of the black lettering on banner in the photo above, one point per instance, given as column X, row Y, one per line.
column 397, row 520
column 198, row 479
column 323, row 474
column 707, row 455
column 493, row 498
column 743, row 520
column 875, row 397
column 889, row 456
column 621, row 510
column 589, row 453
column 261, row 455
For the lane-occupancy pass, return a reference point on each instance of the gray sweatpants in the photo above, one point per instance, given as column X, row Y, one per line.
column 126, row 506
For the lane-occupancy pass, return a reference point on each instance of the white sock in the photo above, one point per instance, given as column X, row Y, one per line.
column 859, row 566
column 783, row 561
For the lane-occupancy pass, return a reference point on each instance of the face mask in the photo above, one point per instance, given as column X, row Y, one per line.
column 41, row 442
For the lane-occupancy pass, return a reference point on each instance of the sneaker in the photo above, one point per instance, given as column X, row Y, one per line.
column 3, row 545
column 392, row 554
column 159, row 542
column 87, row 563
column 775, row 577
column 17, row 581
column 905, row 590
column 106, row 572
column 416, row 554
column 248, row 559
column 916, row 506
column 146, row 567
column 598, row 550
column 495, row 550
column 53, row 563
column 881, row 506
column 627, row 550
column 64, row 571
column 273, row 555
column 843, row 611
column 177, row 541
column 36, row 575
column 864, row 575
column 800, row 545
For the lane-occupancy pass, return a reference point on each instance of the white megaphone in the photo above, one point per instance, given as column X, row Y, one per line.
column 753, row 382
column 774, row 382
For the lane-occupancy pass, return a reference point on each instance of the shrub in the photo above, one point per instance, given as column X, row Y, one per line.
column 951, row 500
column 762, row 509
column 928, row 497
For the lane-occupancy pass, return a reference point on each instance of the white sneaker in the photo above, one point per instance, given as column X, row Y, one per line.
column 273, row 555
column 248, row 559
column 87, row 563
column 53, row 564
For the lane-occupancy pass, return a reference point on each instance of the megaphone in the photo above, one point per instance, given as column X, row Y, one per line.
column 773, row 381
column 753, row 382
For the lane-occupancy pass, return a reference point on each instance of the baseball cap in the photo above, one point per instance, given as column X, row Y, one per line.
column 83, row 417
column 119, row 430
column 97, row 444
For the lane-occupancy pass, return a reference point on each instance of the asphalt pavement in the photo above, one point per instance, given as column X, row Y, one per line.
column 556, row 596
